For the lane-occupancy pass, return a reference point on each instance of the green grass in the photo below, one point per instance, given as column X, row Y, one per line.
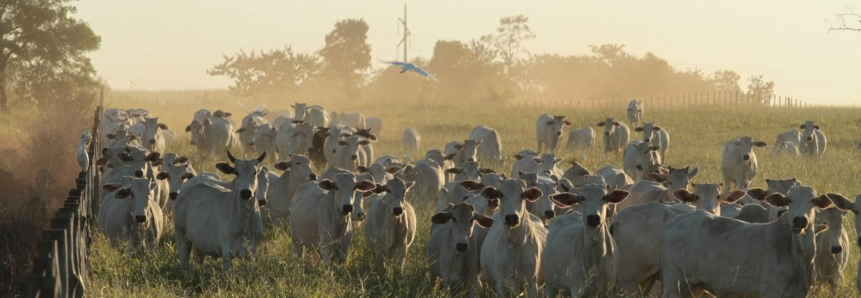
column 697, row 138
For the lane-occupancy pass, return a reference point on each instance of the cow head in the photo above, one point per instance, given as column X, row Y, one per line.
column 196, row 130
column 833, row 218
column 845, row 204
column 543, row 207
column 808, row 137
column 802, row 202
column 650, row 131
column 245, row 171
column 708, row 197
column 343, row 188
column 300, row 168
column 460, row 218
column 675, row 179
column 137, row 189
column 470, row 171
column 593, row 200
column 512, row 195
column 547, row 163
column 176, row 174
column 744, row 147
column 556, row 125
column 609, row 125
column 396, row 194
column 469, row 149
column 350, row 146
column 576, row 173
column 152, row 133
column 645, row 155
column 300, row 110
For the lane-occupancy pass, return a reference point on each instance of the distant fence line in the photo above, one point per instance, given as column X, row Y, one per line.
column 61, row 266
column 678, row 100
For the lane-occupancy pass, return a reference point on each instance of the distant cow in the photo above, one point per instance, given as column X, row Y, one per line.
column 511, row 255
column 216, row 220
column 786, row 148
column 739, row 165
column 264, row 139
column 635, row 112
column 792, row 136
column 248, row 129
column 616, row 135
column 212, row 135
column 411, row 140
column 490, row 151
column 700, row 251
column 581, row 139
column 656, row 136
column 452, row 248
column 374, row 124
column 832, row 253
column 813, row 140
column 428, row 175
column 391, row 225
column 297, row 171
column 549, row 132
column 317, row 116
column 581, row 256
column 525, row 161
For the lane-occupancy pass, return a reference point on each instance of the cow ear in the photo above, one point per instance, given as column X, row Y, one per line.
column 549, row 122
column 163, row 126
column 454, row 171
column 392, row 170
column 822, row 202
column 162, row 176
column 757, row 193
column 182, row 159
column 616, row 196
column 803, row 126
column 538, row 160
column 362, row 169
column 458, row 146
column 517, row 156
column 123, row 193
column 380, row 188
column 110, row 187
column 441, row 218
column 450, row 156
column 841, row 202
column 693, row 173
column 486, row 171
column 638, row 129
column 153, row 156
column 685, row 196
column 373, row 137
column 365, row 142
column 819, row 229
column 482, row 220
column 778, row 199
column 188, row 176
column 760, row 144
column 240, row 130
column 566, row 199
column 111, row 136
column 732, row 196
column 816, row 126
column 365, row 185
column 656, row 177
column 600, row 124
column 188, row 128
column 225, row 168
column 567, row 123
column 615, row 123
column 282, row 166
column 158, row 162
column 327, row 184
column 532, row 194
column 342, row 143
column 490, row 192
column 471, row 185
column 657, row 128
column 101, row 161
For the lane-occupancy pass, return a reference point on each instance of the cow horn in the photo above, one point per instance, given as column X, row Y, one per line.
column 230, row 157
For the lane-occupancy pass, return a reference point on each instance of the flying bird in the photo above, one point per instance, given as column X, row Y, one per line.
column 405, row 67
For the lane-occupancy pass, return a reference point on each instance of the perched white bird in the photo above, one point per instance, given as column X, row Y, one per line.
column 83, row 158
column 410, row 67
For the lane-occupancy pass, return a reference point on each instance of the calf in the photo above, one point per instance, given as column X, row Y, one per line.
column 549, row 131
column 813, row 140
column 581, row 255
column 699, row 251
column 391, row 225
column 655, row 136
column 739, row 162
column 616, row 135
column 635, row 112
column 511, row 255
column 452, row 247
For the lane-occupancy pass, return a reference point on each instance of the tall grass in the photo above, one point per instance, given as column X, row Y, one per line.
column 697, row 138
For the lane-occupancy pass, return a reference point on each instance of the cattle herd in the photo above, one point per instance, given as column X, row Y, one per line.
column 540, row 229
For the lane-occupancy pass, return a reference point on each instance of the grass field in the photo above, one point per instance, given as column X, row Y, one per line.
column 697, row 138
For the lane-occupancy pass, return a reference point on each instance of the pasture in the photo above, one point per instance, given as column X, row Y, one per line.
column 698, row 135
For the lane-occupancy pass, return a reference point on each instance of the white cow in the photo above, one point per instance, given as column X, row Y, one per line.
column 391, row 225
column 646, row 191
column 511, row 255
column 656, row 136
column 616, row 135
column 322, row 213
column 428, row 175
column 786, row 148
column 138, row 220
column 638, row 157
column 576, row 173
column 411, row 140
column 700, row 251
column 264, row 139
column 152, row 137
column 813, row 140
column 855, row 207
column 248, row 129
column 453, row 248
column 792, row 136
column 374, row 124
column 219, row 221
column 346, row 155
column 300, row 111
column 615, row 177
column 832, row 252
column 635, row 112
column 297, row 171
column 353, row 119
column 581, row 256
column 581, row 139
column 317, row 116
column 490, row 151
column 739, row 165
column 549, row 131
column 525, row 161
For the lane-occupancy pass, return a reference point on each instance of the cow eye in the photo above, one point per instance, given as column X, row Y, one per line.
column 298, row 163
column 855, row 211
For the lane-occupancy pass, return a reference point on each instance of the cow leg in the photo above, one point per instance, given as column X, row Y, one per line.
column 226, row 259
column 549, row 291
column 183, row 249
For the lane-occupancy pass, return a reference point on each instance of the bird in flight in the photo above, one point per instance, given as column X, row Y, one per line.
column 405, row 67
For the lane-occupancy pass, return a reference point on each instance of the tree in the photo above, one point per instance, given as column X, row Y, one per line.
column 41, row 44
column 759, row 88
column 847, row 21
column 262, row 73
column 346, row 54
column 509, row 37
column 726, row 80
column 466, row 71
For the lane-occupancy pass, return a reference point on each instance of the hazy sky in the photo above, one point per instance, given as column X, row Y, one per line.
column 170, row 44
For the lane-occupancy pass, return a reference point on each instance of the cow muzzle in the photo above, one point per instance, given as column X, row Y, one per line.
column 173, row 195
column 809, row 139
column 346, row 209
column 312, row 177
column 245, row 194
column 471, row 160
column 512, row 220
column 152, row 142
column 139, row 174
column 397, row 211
column 493, row 203
column 606, row 133
column 360, row 216
column 558, row 133
column 549, row 214
column 746, row 157
column 354, row 157
column 461, row 246
column 593, row 220
column 140, row 218
column 262, row 202
column 836, row 249
column 799, row 224
column 193, row 143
